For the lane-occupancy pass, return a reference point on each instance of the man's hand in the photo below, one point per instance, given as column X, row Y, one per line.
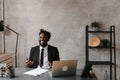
column 50, row 64
column 28, row 63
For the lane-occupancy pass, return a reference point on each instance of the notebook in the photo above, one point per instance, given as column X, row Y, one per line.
column 64, row 68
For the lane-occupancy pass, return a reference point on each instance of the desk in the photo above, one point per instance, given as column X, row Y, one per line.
column 19, row 75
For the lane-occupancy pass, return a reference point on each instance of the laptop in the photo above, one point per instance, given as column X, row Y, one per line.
column 64, row 68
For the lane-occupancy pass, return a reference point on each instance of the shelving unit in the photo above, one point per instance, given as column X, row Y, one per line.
column 112, row 50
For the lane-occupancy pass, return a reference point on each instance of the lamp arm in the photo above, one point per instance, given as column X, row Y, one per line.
column 12, row 30
column 16, row 44
column 16, row 51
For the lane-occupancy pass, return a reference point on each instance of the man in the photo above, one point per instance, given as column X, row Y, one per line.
column 42, row 55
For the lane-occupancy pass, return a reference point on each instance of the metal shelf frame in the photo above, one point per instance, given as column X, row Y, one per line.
column 112, row 50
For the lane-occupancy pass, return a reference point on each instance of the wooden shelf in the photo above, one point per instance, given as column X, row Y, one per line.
column 100, row 31
column 101, row 47
column 101, row 62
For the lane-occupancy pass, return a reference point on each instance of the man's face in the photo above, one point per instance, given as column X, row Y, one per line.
column 43, row 39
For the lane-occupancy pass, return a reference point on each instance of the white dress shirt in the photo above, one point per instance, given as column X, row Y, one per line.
column 45, row 61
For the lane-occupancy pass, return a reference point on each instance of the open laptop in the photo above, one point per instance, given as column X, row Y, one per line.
column 64, row 68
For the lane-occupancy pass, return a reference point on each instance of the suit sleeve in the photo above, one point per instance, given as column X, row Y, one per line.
column 31, row 54
column 56, row 55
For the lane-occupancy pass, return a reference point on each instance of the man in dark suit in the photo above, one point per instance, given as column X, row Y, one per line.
column 42, row 54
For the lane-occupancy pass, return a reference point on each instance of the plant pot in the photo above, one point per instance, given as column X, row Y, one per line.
column 95, row 28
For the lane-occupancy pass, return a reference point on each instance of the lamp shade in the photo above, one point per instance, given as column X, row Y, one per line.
column 1, row 26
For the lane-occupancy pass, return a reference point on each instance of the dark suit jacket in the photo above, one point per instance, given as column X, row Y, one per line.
column 53, row 55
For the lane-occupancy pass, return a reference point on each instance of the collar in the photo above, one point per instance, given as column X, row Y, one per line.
column 45, row 48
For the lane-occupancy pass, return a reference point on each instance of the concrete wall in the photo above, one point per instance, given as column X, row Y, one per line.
column 66, row 20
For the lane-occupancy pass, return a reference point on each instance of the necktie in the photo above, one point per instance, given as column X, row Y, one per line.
column 42, row 55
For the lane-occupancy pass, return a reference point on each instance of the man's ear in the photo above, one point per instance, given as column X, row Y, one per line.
column 48, row 40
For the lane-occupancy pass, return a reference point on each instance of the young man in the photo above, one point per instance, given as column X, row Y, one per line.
column 43, row 54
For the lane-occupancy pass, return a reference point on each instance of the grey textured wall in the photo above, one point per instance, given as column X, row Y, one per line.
column 66, row 20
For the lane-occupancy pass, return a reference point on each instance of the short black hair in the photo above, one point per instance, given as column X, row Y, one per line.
column 48, row 34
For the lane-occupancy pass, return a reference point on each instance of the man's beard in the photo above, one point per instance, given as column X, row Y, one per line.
column 43, row 44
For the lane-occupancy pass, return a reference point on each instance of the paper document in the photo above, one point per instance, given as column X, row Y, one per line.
column 35, row 72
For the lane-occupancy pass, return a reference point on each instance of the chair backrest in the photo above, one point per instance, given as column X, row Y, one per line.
column 6, row 58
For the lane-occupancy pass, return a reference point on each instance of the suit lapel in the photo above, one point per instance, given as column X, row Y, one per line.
column 38, row 51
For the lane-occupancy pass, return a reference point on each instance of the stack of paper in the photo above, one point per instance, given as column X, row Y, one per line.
column 36, row 72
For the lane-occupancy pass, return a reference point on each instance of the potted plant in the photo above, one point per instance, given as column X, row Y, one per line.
column 105, row 43
column 95, row 25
